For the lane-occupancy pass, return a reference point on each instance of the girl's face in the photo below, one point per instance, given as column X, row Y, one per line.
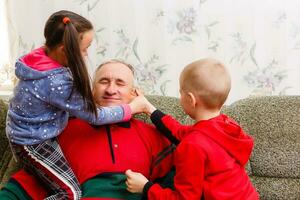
column 85, row 42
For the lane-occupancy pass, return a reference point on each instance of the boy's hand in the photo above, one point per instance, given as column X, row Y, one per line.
column 135, row 181
column 140, row 104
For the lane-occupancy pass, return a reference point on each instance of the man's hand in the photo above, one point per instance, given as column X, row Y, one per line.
column 135, row 181
column 141, row 105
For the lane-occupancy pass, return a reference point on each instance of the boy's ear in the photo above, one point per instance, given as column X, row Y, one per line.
column 192, row 99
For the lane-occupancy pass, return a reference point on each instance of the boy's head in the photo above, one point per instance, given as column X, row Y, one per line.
column 204, row 83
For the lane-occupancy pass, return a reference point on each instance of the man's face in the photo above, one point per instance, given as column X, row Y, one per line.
column 113, row 85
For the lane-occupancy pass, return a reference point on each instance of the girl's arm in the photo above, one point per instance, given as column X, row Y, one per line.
column 67, row 99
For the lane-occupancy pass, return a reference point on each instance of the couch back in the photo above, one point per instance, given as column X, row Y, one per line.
column 6, row 162
column 273, row 121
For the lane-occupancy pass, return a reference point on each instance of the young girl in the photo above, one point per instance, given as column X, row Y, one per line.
column 54, row 84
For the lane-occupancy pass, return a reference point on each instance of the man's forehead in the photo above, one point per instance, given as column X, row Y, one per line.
column 117, row 71
column 111, row 76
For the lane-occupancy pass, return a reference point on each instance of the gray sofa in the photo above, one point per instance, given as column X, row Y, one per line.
column 273, row 121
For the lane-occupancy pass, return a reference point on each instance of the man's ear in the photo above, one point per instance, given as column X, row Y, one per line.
column 133, row 92
column 192, row 99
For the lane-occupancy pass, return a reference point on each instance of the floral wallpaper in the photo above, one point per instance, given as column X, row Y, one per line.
column 258, row 40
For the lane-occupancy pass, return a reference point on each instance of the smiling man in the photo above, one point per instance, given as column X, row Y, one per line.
column 100, row 155
column 114, row 83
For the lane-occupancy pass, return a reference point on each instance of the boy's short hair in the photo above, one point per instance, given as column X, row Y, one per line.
column 209, row 80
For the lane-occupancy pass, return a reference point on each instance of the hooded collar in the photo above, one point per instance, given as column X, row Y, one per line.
column 38, row 60
column 229, row 135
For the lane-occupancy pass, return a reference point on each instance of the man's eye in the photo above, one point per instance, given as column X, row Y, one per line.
column 121, row 84
column 103, row 82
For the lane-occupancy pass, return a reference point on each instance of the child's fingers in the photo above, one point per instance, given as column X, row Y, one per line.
column 127, row 183
column 128, row 173
column 129, row 189
column 129, row 186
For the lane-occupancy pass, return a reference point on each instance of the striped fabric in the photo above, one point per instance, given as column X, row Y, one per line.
column 47, row 161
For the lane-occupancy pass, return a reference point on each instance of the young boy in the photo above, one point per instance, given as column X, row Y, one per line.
column 212, row 153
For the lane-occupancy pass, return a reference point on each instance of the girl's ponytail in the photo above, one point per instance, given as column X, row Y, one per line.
column 65, row 27
column 77, row 65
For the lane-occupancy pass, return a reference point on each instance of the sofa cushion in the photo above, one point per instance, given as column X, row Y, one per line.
column 273, row 121
column 277, row 188
column 3, row 140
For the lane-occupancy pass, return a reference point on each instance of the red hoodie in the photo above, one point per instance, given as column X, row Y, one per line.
column 209, row 160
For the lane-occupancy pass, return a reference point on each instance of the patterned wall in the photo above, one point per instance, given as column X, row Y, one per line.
column 258, row 40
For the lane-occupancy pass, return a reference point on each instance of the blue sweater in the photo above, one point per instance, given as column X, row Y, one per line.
column 43, row 102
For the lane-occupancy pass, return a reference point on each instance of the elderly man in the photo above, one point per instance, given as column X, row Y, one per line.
column 99, row 156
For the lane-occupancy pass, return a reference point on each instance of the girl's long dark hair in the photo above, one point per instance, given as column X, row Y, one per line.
column 56, row 33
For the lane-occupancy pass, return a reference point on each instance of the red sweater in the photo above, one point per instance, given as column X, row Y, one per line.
column 111, row 148
column 209, row 160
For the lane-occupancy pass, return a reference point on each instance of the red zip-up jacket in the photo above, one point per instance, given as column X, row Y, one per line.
column 209, row 160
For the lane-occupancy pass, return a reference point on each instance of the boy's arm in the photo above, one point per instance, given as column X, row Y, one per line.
column 169, row 126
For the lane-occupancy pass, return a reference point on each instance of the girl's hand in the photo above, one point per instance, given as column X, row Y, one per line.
column 135, row 181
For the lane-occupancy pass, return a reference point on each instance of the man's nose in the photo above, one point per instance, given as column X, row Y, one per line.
column 111, row 89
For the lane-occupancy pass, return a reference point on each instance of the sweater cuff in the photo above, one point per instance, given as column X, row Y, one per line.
column 156, row 116
column 146, row 188
column 127, row 112
column 157, row 119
